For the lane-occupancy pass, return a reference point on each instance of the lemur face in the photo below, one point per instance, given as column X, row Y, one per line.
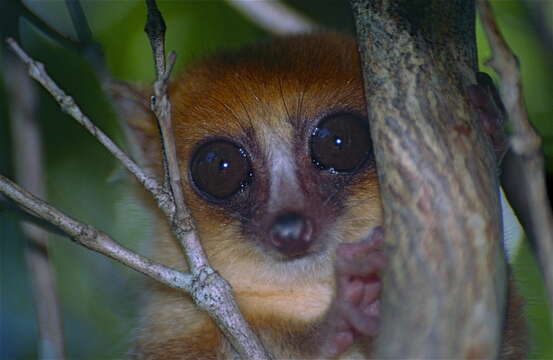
column 278, row 148
column 278, row 172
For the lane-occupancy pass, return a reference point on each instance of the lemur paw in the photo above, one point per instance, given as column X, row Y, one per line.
column 354, row 311
column 485, row 98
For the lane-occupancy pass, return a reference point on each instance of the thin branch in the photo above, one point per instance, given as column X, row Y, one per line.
column 525, row 143
column 68, row 105
column 27, row 145
column 155, row 28
column 8, row 205
column 210, row 291
column 273, row 16
column 88, row 236
column 161, row 107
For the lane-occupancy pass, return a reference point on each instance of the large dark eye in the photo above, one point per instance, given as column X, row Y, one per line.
column 341, row 143
column 220, row 169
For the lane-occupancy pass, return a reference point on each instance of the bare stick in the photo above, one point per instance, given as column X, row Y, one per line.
column 210, row 291
column 181, row 221
column 525, row 143
column 273, row 16
column 88, row 236
column 28, row 162
column 68, row 105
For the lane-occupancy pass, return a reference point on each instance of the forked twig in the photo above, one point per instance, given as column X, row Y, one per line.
column 181, row 221
column 210, row 291
column 68, row 105
column 525, row 143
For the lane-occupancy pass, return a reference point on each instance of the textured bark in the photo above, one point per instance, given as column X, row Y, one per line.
column 444, row 289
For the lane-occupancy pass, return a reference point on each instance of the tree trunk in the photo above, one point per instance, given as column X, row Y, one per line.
column 444, row 289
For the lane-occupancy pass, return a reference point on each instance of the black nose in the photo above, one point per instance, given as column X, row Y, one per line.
column 291, row 234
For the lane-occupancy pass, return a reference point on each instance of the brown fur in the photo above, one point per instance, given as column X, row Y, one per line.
column 242, row 95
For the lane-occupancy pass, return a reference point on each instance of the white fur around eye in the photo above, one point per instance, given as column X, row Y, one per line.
column 281, row 166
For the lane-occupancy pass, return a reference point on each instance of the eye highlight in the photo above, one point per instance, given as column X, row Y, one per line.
column 341, row 143
column 220, row 169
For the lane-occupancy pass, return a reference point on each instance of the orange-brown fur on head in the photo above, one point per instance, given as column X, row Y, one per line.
column 272, row 91
column 247, row 94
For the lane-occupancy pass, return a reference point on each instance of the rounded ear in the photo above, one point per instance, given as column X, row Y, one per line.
column 132, row 103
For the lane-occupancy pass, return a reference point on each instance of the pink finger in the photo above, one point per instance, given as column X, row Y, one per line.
column 372, row 242
column 371, row 292
column 359, row 321
column 368, row 264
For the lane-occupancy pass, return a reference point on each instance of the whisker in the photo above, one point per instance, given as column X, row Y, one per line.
column 239, row 98
column 226, row 106
column 282, row 97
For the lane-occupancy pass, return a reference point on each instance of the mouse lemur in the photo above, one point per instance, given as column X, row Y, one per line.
column 279, row 174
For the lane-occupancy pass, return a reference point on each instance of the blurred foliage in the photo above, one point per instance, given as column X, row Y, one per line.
column 530, row 286
column 536, row 68
column 99, row 298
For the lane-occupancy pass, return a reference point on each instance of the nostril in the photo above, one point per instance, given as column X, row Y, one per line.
column 291, row 234
column 289, row 225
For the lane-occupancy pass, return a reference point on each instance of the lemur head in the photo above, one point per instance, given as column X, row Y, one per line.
column 275, row 150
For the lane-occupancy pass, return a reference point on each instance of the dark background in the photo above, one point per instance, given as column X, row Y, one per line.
column 99, row 297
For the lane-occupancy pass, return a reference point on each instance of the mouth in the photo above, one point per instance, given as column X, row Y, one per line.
column 319, row 252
